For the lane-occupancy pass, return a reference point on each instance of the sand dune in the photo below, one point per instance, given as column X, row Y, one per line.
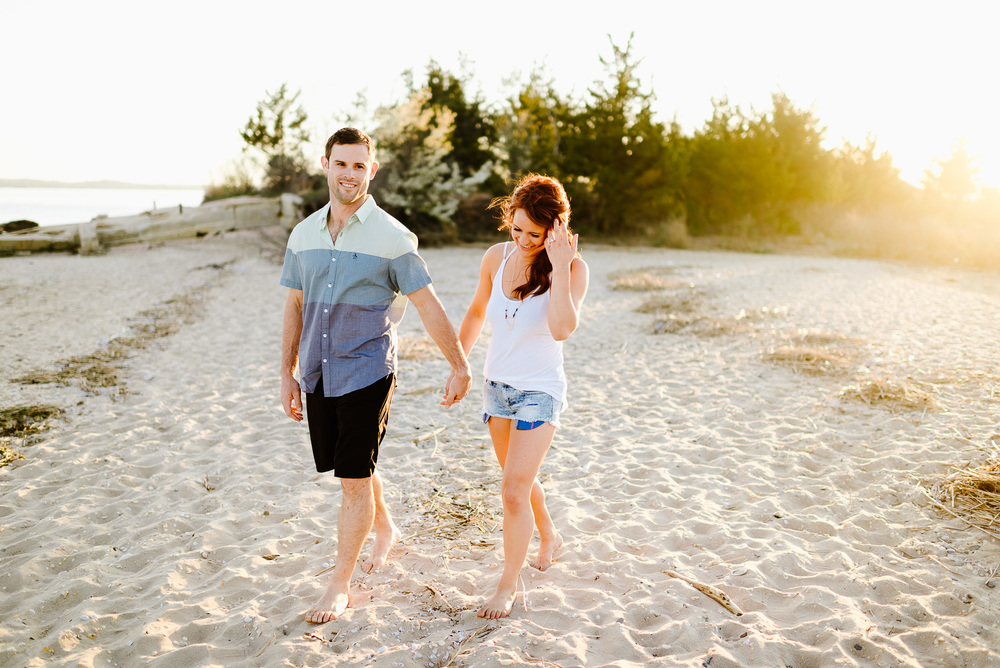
column 176, row 520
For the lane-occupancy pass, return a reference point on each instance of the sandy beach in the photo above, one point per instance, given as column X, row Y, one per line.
column 718, row 430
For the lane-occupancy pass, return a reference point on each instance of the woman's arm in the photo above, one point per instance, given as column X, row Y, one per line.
column 475, row 316
column 570, row 279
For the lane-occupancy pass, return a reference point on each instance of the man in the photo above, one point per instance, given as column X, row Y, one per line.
column 348, row 267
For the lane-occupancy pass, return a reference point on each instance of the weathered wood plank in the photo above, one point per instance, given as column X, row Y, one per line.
column 238, row 213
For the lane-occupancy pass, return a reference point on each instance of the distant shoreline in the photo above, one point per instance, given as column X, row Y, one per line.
column 36, row 183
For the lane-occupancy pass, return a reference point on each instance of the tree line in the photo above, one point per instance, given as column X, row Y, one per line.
column 445, row 152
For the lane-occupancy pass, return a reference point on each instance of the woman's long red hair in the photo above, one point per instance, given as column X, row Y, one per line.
column 543, row 199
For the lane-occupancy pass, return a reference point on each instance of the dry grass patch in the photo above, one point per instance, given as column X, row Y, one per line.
column 451, row 514
column 811, row 360
column 699, row 326
column 22, row 422
column 817, row 353
column 101, row 370
column 972, row 493
column 26, row 420
column 673, row 324
column 890, row 393
column 670, row 303
column 682, row 315
column 8, row 454
column 807, row 338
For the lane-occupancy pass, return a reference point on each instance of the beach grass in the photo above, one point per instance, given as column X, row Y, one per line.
column 890, row 393
column 100, row 371
column 972, row 493
column 809, row 359
column 675, row 303
column 25, row 420
column 21, row 422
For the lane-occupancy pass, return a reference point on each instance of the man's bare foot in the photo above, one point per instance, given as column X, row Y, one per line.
column 380, row 550
column 547, row 552
column 330, row 606
column 498, row 606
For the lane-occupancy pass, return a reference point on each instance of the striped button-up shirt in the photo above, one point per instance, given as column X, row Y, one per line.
column 353, row 296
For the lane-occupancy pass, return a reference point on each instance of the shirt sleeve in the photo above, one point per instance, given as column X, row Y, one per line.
column 290, row 275
column 407, row 269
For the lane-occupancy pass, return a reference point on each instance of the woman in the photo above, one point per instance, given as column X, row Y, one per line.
column 530, row 289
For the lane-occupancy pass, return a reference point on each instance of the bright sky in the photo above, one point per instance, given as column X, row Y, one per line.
column 157, row 92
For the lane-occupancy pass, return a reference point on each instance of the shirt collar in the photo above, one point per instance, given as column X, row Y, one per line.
column 366, row 209
column 362, row 214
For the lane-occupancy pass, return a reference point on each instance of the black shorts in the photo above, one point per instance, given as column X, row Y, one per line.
column 346, row 431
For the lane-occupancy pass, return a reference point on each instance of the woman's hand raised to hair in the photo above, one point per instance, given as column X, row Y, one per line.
column 561, row 245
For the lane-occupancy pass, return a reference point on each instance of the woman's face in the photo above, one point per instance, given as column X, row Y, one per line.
column 528, row 235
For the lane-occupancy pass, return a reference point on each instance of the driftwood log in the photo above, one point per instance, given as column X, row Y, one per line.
column 96, row 236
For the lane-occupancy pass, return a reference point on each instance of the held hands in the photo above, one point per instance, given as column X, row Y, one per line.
column 561, row 245
column 459, row 384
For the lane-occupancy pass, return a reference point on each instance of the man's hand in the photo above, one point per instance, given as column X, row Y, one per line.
column 291, row 398
column 459, row 384
column 439, row 327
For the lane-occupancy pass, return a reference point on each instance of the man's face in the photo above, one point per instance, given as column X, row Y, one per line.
column 348, row 171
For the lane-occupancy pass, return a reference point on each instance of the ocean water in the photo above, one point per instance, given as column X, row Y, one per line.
column 57, row 206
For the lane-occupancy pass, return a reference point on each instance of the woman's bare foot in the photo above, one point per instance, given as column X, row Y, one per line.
column 331, row 605
column 498, row 606
column 384, row 540
column 547, row 552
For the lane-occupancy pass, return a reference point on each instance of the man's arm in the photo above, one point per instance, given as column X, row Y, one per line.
column 291, row 332
column 436, row 322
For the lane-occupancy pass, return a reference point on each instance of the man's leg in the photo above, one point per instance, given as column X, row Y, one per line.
column 386, row 533
column 354, row 522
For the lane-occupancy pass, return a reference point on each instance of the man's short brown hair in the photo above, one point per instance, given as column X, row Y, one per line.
column 350, row 136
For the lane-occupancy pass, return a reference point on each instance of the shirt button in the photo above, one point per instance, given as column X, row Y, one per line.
column 324, row 361
column 326, row 310
column 329, row 285
column 333, row 259
column 324, row 336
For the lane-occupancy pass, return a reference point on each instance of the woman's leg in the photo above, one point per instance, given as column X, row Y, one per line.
column 520, row 453
column 551, row 541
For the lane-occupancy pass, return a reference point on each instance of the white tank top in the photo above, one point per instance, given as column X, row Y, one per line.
column 522, row 352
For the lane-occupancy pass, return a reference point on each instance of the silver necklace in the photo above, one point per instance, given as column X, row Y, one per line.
column 510, row 320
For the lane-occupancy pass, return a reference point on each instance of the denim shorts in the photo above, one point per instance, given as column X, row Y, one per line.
column 529, row 408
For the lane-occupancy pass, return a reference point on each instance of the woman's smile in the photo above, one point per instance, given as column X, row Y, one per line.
column 529, row 236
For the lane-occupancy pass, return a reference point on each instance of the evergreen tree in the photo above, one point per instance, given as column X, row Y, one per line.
column 618, row 157
column 749, row 173
column 530, row 129
column 471, row 134
column 719, row 188
column 278, row 134
column 953, row 177
column 864, row 180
